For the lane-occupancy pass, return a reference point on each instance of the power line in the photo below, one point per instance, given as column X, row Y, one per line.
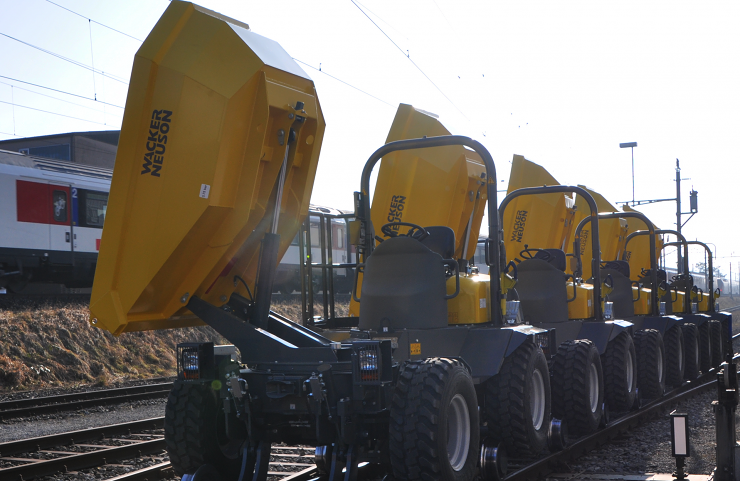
column 55, row 98
column 93, row 21
column 60, row 91
column 409, row 58
column 345, row 83
column 53, row 113
column 66, row 59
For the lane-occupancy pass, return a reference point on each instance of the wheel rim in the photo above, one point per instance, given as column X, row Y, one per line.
column 458, row 432
column 537, row 399
column 630, row 372
column 593, row 391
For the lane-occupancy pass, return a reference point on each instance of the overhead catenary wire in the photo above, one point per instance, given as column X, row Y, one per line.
column 60, row 91
column 51, row 97
column 342, row 81
column 49, row 112
column 66, row 59
column 94, row 21
column 405, row 54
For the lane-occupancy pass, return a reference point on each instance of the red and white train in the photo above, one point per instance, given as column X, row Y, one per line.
column 52, row 220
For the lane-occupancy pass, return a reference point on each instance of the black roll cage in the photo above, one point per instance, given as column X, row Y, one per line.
column 653, row 259
column 595, row 246
column 494, row 262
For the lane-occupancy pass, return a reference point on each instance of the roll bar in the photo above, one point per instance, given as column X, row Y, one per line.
column 368, row 233
column 653, row 261
column 710, row 276
column 687, row 297
column 595, row 247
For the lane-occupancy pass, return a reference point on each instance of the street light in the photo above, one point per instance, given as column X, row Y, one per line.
column 632, row 146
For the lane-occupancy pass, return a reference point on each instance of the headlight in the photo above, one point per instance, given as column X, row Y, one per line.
column 368, row 358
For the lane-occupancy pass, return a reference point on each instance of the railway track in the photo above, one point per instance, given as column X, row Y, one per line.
column 110, row 445
column 69, row 402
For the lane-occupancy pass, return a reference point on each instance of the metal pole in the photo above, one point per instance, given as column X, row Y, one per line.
column 678, row 212
column 633, row 175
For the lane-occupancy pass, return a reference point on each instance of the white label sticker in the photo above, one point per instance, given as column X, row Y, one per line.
column 483, row 303
column 292, row 406
column 205, row 189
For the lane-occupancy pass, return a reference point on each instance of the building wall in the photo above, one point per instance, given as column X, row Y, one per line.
column 92, row 152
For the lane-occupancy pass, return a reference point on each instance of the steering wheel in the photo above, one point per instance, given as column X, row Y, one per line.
column 530, row 252
column 416, row 231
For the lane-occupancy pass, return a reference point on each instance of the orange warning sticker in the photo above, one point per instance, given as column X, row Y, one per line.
column 415, row 348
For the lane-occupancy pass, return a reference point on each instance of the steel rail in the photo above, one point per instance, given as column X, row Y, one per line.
column 68, row 402
column 583, row 445
column 74, row 461
column 42, row 442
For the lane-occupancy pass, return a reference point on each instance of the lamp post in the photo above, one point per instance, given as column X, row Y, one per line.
column 632, row 146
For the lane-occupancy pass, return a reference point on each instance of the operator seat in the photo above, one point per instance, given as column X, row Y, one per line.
column 541, row 287
column 404, row 283
column 621, row 294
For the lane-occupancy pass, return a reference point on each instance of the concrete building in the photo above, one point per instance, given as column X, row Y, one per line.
column 90, row 148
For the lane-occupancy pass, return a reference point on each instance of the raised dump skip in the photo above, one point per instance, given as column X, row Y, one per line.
column 443, row 186
column 638, row 249
column 429, row 187
column 612, row 232
column 208, row 117
column 540, row 221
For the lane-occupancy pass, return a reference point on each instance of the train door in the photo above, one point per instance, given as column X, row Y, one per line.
column 32, row 213
column 61, row 235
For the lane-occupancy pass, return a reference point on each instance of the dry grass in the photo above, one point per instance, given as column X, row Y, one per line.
column 51, row 344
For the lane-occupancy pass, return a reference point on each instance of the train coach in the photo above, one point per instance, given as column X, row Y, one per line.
column 51, row 222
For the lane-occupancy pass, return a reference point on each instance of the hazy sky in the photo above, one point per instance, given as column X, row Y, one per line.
column 562, row 83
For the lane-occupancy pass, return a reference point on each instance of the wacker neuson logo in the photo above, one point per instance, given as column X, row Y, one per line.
column 156, row 143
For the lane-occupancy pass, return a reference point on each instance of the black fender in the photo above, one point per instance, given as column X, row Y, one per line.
column 660, row 323
column 600, row 333
column 481, row 349
column 697, row 319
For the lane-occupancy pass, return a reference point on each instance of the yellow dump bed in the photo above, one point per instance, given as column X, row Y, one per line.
column 443, row 186
column 637, row 252
column 429, row 187
column 612, row 232
column 208, row 117
column 540, row 221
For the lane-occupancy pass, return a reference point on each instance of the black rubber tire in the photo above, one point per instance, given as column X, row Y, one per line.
column 575, row 368
column 715, row 336
column 705, row 348
column 675, row 359
column 509, row 398
column 404, row 410
column 620, row 387
column 650, row 362
column 692, row 358
column 434, row 388
column 192, row 435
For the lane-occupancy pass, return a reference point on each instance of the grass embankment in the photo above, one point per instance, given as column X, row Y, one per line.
column 51, row 344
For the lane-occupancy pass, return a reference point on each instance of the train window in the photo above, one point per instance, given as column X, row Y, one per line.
column 315, row 238
column 93, row 206
column 340, row 238
column 59, row 201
